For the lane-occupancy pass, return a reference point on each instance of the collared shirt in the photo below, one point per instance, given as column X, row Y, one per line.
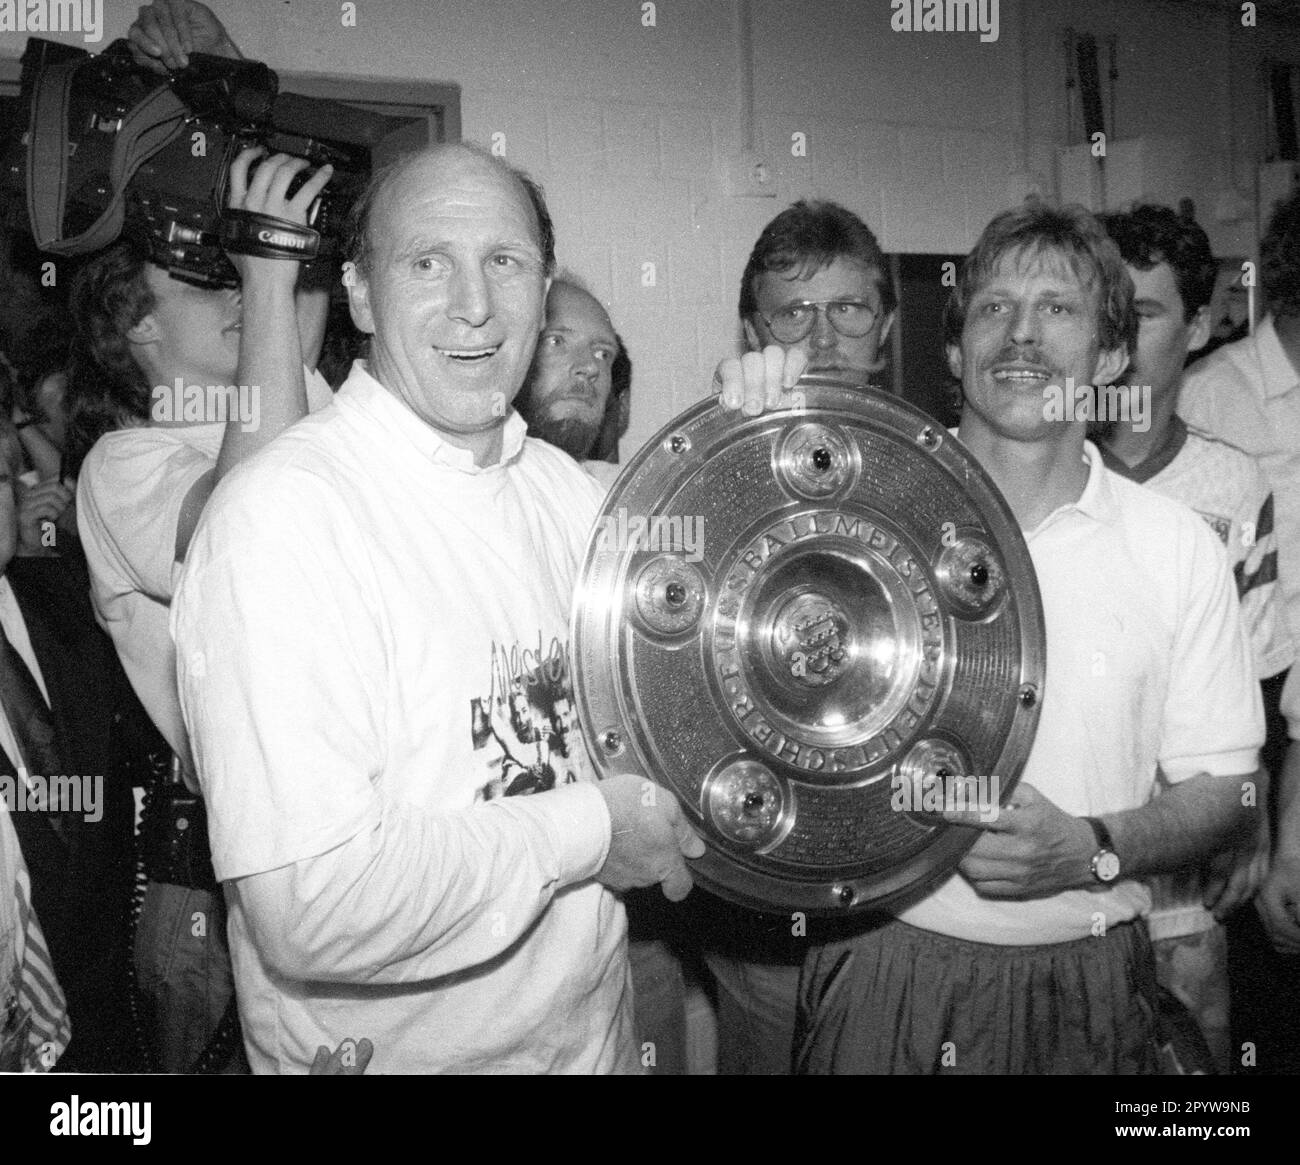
column 129, row 496
column 1148, row 665
column 1248, row 393
column 1225, row 486
column 372, row 644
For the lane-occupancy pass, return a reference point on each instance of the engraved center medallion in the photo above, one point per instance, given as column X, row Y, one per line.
column 811, row 636
column 827, row 642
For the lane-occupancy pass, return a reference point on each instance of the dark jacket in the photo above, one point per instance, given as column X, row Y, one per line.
column 82, row 872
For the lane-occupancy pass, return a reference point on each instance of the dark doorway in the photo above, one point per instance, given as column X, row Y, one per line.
column 921, row 374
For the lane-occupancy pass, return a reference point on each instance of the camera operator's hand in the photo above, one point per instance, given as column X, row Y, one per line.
column 650, row 837
column 265, row 193
column 167, row 31
column 270, row 348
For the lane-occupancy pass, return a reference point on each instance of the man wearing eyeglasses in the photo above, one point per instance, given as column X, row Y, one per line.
column 816, row 282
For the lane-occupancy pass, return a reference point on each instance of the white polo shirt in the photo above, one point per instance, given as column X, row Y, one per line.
column 372, row 645
column 1248, row 392
column 1147, row 664
column 1225, row 486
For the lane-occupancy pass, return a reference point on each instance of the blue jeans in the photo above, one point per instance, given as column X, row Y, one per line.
column 183, row 972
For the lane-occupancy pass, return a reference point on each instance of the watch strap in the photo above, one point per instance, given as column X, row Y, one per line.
column 1101, row 833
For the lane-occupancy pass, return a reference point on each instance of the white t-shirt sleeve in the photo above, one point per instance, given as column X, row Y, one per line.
column 284, row 682
column 131, row 489
column 1214, row 717
column 129, row 499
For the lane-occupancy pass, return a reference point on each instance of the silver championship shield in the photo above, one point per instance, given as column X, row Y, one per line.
column 818, row 628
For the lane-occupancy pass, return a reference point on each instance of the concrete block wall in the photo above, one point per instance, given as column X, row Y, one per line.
column 629, row 125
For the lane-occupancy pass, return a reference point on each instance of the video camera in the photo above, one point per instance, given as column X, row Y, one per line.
column 102, row 146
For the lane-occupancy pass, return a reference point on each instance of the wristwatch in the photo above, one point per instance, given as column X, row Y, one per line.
column 1105, row 862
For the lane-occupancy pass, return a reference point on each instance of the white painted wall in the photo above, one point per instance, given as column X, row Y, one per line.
column 628, row 126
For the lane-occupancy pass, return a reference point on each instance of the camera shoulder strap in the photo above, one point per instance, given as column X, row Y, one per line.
column 151, row 124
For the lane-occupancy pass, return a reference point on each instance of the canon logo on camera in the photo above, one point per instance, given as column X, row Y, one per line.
column 275, row 239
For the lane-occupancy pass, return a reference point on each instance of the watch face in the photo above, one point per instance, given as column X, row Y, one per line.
column 1106, row 866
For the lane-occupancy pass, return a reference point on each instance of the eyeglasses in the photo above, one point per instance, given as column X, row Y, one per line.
column 849, row 317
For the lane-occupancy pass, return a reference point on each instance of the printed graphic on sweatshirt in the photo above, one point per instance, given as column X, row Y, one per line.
column 527, row 722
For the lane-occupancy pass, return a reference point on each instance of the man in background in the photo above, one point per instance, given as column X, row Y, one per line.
column 1173, row 272
column 578, row 393
column 146, row 476
column 816, row 284
column 69, row 807
column 577, row 398
column 1248, row 393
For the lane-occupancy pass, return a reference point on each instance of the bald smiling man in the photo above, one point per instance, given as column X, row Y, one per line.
column 371, row 637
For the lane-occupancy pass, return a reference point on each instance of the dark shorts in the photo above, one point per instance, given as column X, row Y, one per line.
column 902, row 1001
